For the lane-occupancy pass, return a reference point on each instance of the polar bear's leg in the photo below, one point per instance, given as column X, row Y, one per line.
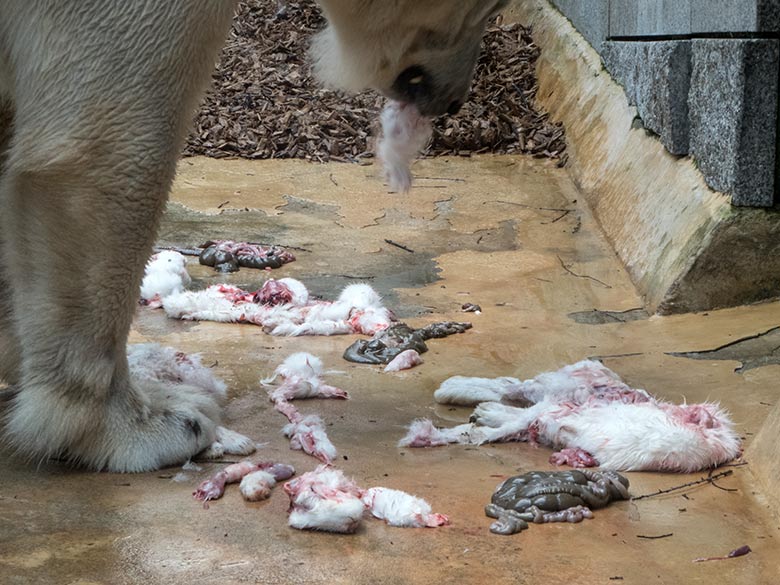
column 9, row 346
column 103, row 95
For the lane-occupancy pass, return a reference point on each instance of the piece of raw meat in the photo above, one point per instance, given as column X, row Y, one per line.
column 403, row 361
column 214, row 487
column 576, row 383
column 387, row 343
column 324, row 499
column 423, row 433
column 227, row 255
column 301, row 377
column 468, row 391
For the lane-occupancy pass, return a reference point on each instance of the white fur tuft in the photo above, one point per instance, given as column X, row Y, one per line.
column 405, row 133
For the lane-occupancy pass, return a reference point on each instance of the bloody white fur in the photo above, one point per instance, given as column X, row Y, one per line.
column 405, row 133
column 398, row 508
column 594, row 417
column 257, row 485
column 357, row 310
column 576, row 382
column 308, row 434
column 155, row 363
column 301, row 377
column 165, row 274
column 423, row 433
column 467, row 391
column 324, row 499
column 405, row 360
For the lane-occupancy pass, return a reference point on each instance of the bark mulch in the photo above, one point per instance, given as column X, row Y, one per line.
column 266, row 104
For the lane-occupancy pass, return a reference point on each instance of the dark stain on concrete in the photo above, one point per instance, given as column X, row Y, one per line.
column 597, row 317
column 754, row 351
column 185, row 228
column 327, row 264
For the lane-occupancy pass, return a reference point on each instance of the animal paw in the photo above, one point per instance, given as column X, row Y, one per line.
column 495, row 414
column 146, row 426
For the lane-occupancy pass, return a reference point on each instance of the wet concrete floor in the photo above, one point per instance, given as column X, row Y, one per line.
column 506, row 233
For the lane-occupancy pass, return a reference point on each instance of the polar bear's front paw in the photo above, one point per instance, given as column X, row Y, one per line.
column 148, row 426
column 177, row 422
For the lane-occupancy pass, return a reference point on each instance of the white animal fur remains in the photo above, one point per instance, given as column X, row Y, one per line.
column 301, row 377
column 325, row 499
column 96, row 100
column 358, row 309
column 588, row 412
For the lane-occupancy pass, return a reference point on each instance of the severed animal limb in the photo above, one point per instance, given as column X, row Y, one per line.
column 214, row 487
column 301, row 377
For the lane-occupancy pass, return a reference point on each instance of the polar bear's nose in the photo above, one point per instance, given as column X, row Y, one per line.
column 413, row 85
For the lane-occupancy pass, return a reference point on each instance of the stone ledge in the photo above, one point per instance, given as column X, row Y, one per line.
column 649, row 18
column 734, row 16
column 733, row 116
column 656, row 77
column 591, row 17
column 642, row 18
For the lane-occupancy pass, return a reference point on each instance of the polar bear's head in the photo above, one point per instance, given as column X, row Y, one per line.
column 415, row 51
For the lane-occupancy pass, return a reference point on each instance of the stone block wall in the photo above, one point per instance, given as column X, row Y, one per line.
column 703, row 75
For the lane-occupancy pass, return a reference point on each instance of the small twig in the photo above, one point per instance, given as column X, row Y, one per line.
column 280, row 246
column 655, row 537
column 737, row 552
column 709, row 479
column 712, row 481
column 221, row 205
column 353, row 276
column 615, row 355
column 183, row 251
column 440, row 179
column 526, row 206
column 570, row 271
column 560, row 217
column 401, row 246
column 332, row 180
column 215, row 461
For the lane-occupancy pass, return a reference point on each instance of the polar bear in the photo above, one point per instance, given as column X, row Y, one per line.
column 95, row 102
